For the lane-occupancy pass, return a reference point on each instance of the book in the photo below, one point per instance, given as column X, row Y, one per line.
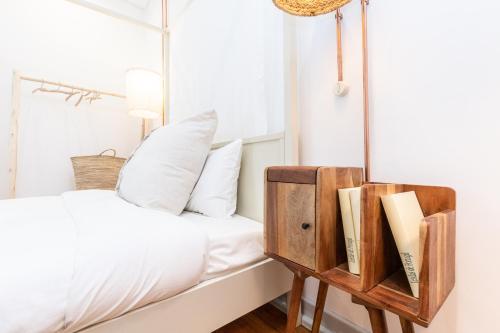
column 353, row 254
column 405, row 215
column 355, row 197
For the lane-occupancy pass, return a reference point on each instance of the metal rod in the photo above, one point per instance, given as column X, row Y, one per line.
column 366, row 106
column 69, row 86
column 340, row 71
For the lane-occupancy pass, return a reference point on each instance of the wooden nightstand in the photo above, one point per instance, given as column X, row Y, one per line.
column 301, row 213
column 303, row 229
column 300, row 225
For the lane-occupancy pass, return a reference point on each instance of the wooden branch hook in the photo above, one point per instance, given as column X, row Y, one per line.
column 73, row 93
column 41, row 88
column 83, row 95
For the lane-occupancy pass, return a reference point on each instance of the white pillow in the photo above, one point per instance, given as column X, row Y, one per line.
column 163, row 171
column 216, row 191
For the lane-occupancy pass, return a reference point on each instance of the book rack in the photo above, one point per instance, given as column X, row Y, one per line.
column 382, row 283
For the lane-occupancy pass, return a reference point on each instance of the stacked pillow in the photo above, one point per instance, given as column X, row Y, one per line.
column 162, row 172
column 216, row 191
column 164, row 169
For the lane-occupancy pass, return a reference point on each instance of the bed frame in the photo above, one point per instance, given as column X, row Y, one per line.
column 217, row 302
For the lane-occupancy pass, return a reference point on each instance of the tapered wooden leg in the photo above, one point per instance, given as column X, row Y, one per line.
column 320, row 306
column 406, row 325
column 377, row 316
column 294, row 301
column 377, row 320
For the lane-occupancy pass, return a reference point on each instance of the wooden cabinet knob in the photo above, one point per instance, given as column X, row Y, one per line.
column 306, row 226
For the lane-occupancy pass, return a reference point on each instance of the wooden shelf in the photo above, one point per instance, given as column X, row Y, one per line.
column 395, row 293
column 342, row 278
column 382, row 282
column 383, row 278
column 399, row 283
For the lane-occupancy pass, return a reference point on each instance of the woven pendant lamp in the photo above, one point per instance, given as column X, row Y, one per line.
column 309, row 7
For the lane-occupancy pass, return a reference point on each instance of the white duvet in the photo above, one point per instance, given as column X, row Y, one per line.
column 71, row 261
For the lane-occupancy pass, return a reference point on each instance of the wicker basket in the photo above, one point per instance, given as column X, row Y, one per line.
column 97, row 172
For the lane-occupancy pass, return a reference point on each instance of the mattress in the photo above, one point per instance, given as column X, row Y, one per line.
column 75, row 260
column 233, row 242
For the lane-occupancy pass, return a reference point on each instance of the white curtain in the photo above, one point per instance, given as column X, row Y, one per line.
column 227, row 55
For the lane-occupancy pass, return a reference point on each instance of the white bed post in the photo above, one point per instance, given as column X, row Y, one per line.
column 13, row 135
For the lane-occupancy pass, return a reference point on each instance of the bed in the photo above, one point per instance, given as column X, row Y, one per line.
column 100, row 262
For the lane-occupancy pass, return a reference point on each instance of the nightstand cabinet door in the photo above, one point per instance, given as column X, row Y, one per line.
column 291, row 215
column 295, row 218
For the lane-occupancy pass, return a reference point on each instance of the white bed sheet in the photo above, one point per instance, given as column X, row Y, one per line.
column 71, row 261
column 74, row 260
column 233, row 242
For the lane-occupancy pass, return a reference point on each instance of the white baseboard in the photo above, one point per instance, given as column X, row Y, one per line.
column 280, row 303
column 331, row 322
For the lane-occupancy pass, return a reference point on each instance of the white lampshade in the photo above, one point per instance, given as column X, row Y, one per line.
column 144, row 93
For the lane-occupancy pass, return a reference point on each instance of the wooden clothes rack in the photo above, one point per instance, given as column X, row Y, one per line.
column 81, row 93
column 65, row 85
column 89, row 93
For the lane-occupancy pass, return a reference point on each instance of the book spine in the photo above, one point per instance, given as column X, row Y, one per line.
column 355, row 198
column 406, row 243
column 410, row 266
column 350, row 239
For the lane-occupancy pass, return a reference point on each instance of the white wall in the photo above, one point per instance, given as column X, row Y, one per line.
column 435, row 114
column 60, row 41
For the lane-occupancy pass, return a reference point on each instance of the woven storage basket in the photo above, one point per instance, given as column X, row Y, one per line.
column 97, row 172
column 308, row 7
